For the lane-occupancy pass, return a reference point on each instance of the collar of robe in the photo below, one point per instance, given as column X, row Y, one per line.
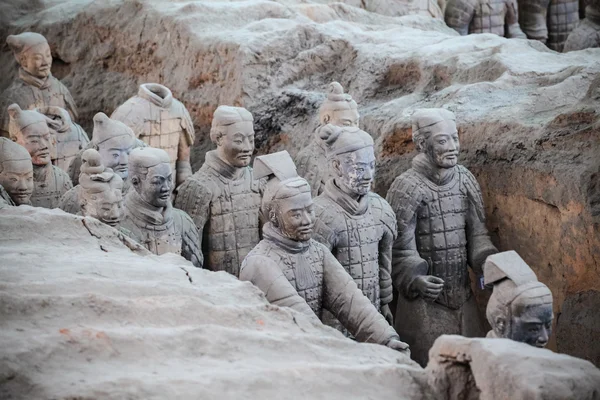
column 40, row 83
column 274, row 235
column 338, row 196
column 227, row 171
column 440, row 176
column 158, row 218
column 160, row 101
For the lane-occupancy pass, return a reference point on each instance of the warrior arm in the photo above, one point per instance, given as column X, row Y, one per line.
column 459, row 14
column 263, row 273
column 190, row 246
column 69, row 102
column 479, row 245
column 307, row 167
column 194, row 197
column 385, row 263
column 183, row 166
column 532, row 19
column 324, row 232
column 404, row 197
column 351, row 307
column 513, row 30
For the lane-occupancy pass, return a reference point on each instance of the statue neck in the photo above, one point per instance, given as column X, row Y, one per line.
column 440, row 176
column 40, row 83
column 213, row 160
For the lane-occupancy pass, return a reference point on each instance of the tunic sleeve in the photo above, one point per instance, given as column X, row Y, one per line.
column 263, row 273
column 459, row 14
column 404, row 197
column 190, row 247
column 351, row 307
column 390, row 233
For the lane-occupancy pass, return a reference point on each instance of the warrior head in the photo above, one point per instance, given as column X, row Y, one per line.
column 114, row 141
column 16, row 171
column 32, row 52
column 339, row 108
column 351, row 156
column 434, row 133
column 232, row 131
column 30, row 130
column 151, row 175
column 101, row 190
column 520, row 307
column 287, row 201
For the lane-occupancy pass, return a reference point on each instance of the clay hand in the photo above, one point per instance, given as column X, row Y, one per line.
column 428, row 286
column 387, row 314
column 402, row 347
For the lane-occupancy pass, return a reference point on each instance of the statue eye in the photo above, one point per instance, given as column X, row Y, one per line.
column 443, row 141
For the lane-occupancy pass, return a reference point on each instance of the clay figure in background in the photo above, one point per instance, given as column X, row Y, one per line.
column 35, row 86
column 101, row 195
column 70, row 137
column 549, row 21
column 441, row 231
column 149, row 215
column 484, row 16
column 222, row 197
column 587, row 34
column 520, row 307
column 357, row 225
column 29, row 129
column 16, row 172
column 114, row 141
column 162, row 122
column 294, row 270
column 338, row 109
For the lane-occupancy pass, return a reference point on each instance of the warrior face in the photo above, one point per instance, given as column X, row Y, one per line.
column 442, row 146
column 156, row 186
column 39, row 143
column 106, row 207
column 115, row 154
column 17, row 178
column 295, row 217
column 37, row 60
column 531, row 324
column 347, row 117
column 356, row 170
column 235, row 145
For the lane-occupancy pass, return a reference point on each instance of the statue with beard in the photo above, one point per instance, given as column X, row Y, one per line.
column 338, row 109
column 296, row 271
column 149, row 215
column 520, row 307
column 163, row 122
column 16, row 173
column 35, row 87
column 70, row 137
column 113, row 141
column 441, row 231
column 357, row 225
column 29, row 129
column 101, row 194
column 223, row 197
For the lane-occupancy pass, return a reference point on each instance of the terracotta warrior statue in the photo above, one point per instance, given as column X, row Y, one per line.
column 16, row 173
column 35, row 86
column 161, row 121
column 484, row 16
column 587, row 33
column 549, row 21
column 520, row 307
column 338, row 109
column 223, row 196
column 29, row 129
column 149, row 215
column 101, row 194
column 70, row 137
column 441, row 231
column 114, row 141
column 296, row 271
column 355, row 224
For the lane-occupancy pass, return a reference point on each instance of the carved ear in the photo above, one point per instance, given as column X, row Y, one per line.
column 326, row 118
column 273, row 218
column 335, row 164
column 420, row 145
column 501, row 325
column 135, row 181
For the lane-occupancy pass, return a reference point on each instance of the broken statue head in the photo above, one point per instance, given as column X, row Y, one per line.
column 30, row 130
column 520, row 307
column 16, row 171
column 101, row 190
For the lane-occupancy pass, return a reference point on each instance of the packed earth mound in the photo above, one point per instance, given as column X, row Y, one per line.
column 527, row 116
column 84, row 316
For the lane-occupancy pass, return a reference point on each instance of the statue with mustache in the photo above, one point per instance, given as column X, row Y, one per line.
column 441, row 232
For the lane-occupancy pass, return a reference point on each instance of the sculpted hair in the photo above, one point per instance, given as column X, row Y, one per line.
column 424, row 122
column 336, row 100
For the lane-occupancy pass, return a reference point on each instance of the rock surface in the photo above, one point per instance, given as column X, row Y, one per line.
column 83, row 316
column 528, row 117
column 462, row 368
